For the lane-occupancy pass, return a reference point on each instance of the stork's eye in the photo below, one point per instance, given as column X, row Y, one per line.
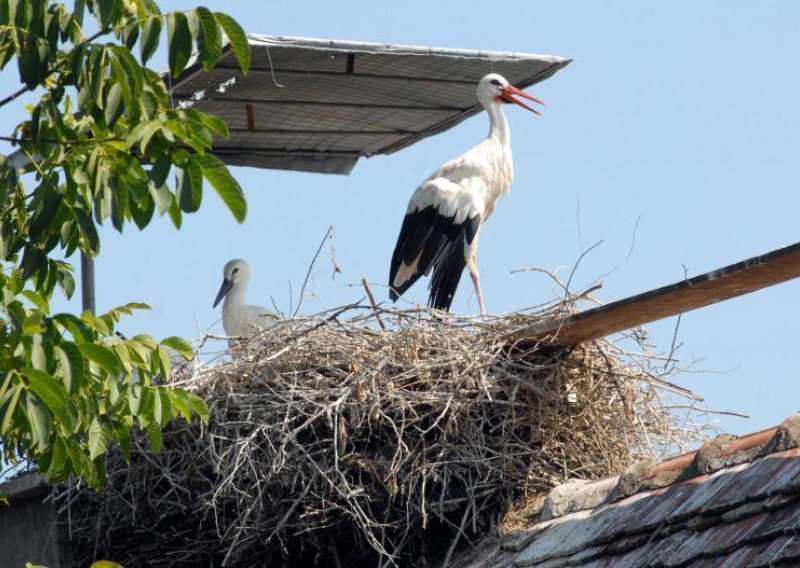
column 235, row 270
column 495, row 82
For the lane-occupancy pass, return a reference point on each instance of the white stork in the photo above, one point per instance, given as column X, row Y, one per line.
column 240, row 319
column 446, row 213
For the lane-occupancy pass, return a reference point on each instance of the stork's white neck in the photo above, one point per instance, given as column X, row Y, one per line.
column 498, row 128
column 235, row 296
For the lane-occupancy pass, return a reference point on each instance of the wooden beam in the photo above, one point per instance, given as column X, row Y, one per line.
column 722, row 284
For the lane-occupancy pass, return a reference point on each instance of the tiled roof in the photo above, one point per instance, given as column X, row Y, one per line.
column 735, row 502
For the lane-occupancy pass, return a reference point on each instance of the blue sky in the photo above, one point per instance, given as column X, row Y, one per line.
column 674, row 132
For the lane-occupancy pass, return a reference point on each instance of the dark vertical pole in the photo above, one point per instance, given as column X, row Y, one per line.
column 87, row 283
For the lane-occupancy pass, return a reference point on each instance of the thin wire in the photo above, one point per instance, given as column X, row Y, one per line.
column 271, row 70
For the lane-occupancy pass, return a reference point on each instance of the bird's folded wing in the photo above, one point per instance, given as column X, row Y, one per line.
column 442, row 218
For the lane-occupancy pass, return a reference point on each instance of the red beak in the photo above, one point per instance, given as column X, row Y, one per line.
column 510, row 90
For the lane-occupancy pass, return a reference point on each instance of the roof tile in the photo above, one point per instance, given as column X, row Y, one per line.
column 785, row 550
column 654, row 512
column 561, row 539
column 707, row 490
column 738, row 559
column 783, row 521
column 785, row 477
column 744, row 512
column 660, row 552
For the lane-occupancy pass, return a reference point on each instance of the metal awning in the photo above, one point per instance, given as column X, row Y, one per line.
column 319, row 105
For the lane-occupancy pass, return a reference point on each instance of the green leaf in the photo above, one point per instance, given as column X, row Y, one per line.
column 131, row 71
column 51, row 392
column 199, row 406
column 105, row 564
column 166, row 405
column 39, row 420
column 238, row 39
column 97, row 74
column 145, row 340
column 131, row 306
column 214, row 124
column 158, row 407
column 179, row 400
column 164, row 364
column 189, row 182
column 75, row 326
column 120, row 202
column 101, row 355
column 38, row 355
column 226, row 185
column 179, row 42
column 33, row 60
column 122, row 435
column 180, row 346
column 156, row 439
column 10, row 409
column 143, row 214
column 129, row 35
column 37, row 300
column 59, row 459
column 32, row 261
column 71, row 365
column 121, row 78
column 113, row 108
column 174, row 213
column 99, row 436
column 106, row 11
column 151, row 32
column 90, row 241
column 209, row 40
column 66, row 281
column 124, row 356
column 136, row 396
column 6, row 376
column 46, row 212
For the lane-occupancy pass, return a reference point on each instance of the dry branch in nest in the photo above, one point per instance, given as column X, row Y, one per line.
column 337, row 441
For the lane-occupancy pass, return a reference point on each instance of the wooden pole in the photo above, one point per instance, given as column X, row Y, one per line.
column 722, row 284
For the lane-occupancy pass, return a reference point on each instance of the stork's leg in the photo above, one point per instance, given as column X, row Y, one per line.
column 472, row 264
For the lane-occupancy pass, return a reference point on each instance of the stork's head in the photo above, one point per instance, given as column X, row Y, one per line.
column 494, row 87
column 236, row 272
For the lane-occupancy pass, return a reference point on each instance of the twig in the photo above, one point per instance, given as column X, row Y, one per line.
column 372, row 303
column 308, row 273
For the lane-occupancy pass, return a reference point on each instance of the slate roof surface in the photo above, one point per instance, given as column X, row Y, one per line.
column 733, row 503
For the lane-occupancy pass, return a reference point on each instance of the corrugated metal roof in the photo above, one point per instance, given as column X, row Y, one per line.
column 735, row 502
column 320, row 105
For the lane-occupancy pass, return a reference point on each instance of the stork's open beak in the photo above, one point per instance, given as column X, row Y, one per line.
column 510, row 90
column 224, row 289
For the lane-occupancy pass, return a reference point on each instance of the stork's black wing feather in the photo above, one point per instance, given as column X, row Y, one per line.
column 436, row 242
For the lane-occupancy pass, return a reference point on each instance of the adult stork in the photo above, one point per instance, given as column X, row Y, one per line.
column 446, row 213
column 238, row 318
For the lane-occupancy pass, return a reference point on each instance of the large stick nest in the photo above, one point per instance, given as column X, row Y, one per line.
column 366, row 438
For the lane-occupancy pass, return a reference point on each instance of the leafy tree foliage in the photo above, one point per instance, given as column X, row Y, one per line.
column 103, row 143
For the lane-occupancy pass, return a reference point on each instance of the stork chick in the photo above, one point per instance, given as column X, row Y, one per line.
column 238, row 318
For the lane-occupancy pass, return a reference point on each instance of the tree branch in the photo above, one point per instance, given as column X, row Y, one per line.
column 16, row 94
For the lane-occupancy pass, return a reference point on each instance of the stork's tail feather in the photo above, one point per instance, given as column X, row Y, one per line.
column 445, row 281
